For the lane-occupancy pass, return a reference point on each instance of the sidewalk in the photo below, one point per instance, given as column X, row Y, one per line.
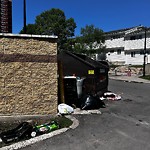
column 132, row 78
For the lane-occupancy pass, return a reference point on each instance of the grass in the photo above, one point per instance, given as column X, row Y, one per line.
column 147, row 77
column 63, row 121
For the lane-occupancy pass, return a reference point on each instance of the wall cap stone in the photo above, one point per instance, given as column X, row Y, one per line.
column 28, row 35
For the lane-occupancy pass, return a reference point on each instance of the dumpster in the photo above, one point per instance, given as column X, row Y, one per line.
column 94, row 74
column 70, row 90
column 73, row 87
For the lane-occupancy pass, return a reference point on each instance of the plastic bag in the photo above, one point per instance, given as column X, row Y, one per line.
column 65, row 109
column 21, row 131
column 91, row 102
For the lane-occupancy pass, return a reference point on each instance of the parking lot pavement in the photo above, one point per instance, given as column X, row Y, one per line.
column 25, row 143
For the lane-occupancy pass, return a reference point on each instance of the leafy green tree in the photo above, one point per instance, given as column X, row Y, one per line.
column 54, row 22
column 90, row 42
column 30, row 29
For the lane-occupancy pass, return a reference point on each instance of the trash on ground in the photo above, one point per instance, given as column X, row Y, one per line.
column 44, row 128
column 110, row 96
column 91, row 102
column 65, row 109
column 23, row 130
column 79, row 111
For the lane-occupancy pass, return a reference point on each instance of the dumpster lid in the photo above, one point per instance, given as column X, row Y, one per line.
column 87, row 60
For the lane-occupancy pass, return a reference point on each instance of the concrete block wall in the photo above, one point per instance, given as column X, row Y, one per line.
column 28, row 74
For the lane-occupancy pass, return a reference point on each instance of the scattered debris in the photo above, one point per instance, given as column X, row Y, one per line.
column 44, row 128
column 91, row 102
column 126, row 70
column 21, row 131
column 79, row 111
column 26, row 130
column 110, row 96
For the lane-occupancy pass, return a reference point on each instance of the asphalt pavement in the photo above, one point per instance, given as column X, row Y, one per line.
column 132, row 78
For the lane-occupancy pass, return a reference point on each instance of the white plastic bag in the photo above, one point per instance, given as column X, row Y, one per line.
column 65, row 109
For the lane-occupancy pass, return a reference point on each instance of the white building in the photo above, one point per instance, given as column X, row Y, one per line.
column 126, row 46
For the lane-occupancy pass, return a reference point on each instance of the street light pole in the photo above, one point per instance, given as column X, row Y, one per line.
column 144, row 51
column 24, row 10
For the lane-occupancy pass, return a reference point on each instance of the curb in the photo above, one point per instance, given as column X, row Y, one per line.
column 130, row 81
column 25, row 143
column 126, row 80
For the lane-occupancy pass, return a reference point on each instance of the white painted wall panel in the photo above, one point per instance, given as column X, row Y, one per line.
column 114, row 57
column 137, row 44
column 137, row 60
column 115, row 43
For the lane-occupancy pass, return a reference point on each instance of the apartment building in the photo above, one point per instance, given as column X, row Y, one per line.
column 5, row 16
column 126, row 46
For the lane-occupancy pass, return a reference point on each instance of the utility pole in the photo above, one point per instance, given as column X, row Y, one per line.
column 24, row 12
column 145, row 29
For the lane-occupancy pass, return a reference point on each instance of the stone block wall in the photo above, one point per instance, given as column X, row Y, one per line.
column 28, row 74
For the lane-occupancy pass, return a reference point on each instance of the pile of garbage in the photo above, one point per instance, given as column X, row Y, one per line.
column 89, row 102
column 123, row 70
column 26, row 130
column 110, row 96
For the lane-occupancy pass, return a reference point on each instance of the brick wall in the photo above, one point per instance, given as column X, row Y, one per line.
column 28, row 74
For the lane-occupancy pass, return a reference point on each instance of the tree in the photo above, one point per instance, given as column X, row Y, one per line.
column 91, row 41
column 54, row 22
column 30, row 29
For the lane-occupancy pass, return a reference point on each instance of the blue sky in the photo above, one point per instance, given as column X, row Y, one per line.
column 105, row 14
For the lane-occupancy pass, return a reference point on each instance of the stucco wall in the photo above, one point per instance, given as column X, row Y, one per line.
column 28, row 74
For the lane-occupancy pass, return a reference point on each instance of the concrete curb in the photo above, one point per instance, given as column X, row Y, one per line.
column 25, row 143
column 34, row 140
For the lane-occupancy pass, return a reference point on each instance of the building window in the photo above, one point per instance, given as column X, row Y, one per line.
column 118, row 51
column 115, row 37
column 142, row 52
column 139, row 37
column 135, row 37
column 111, row 51
column 132, row 54
column 132, row 37
column 148, row 52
